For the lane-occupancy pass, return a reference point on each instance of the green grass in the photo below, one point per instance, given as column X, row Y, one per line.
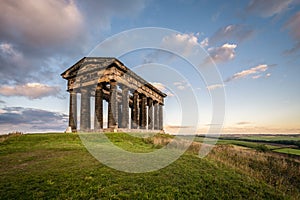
column 248, row 144
column 273, row 137
column 258, row 142
column 280, row 139
column 57, row 166
column 130, row 143
column 288, row 151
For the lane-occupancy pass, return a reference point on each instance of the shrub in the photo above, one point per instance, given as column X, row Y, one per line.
column 16, row 133
column 262, row 148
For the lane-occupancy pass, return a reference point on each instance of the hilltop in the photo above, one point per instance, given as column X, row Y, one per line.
column 56, row 165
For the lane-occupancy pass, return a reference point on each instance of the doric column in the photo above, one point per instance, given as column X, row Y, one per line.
column 85, row 111
column 131, row 114
column 112, row 105
column 120, row 114
column 98, row 122
column 143, row 119
column 135, row 110
column 125, row 107
column 156, row 118
column 150, row 114
column 160, row 117
column 73, row 111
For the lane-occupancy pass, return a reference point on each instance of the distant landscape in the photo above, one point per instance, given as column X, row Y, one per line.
column 57, row 165
column 189, row 99
column 281, row 143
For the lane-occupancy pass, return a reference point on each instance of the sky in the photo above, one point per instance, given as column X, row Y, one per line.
column 254, row 45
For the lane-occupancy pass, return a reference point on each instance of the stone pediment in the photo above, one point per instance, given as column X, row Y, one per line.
column 87, row 64
column 90, row 71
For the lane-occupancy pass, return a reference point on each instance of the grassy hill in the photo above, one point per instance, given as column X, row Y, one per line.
column 57, row 166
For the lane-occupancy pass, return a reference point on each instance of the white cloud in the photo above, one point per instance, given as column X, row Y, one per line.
column 8, row 52
column 34, row 32
column 256, row 71
column 13, row 65
column 181, row 85
column 215, row 86
column 159, row 86
column 162, row 88
column 30, row 90
column 204, row 43
column 268, row 75
column 256, row 76
column 30, row 119
column 40, row 23
column 46, row 35
column 269, row 8
column 224, row 53
column 180, row 43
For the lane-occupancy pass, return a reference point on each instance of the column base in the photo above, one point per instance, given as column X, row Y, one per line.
column 121, row 130
column 125, row 130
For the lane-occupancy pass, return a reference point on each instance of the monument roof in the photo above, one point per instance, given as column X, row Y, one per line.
column 89, row 64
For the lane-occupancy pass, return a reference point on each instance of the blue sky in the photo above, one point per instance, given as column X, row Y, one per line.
column 255, row 45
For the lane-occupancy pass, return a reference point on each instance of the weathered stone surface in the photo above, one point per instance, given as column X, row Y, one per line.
column 150, row 114
column 108, row 79
column 73, row 111
column 160, row 117
column 125, row 107
column 113, row 106
column 68, row 130
column 119, row 114
column 135, row 112
column 98, row 124
column 156, row 116
column 143, row 108
column 85, row 111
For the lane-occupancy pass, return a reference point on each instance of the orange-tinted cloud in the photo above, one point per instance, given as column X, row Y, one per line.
column 256, row 71
column 30, row 90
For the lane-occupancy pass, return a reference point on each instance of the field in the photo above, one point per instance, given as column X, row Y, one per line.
column 58, row 166
column 288, row 151
column 287, row 144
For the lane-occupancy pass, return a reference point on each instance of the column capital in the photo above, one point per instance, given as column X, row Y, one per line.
column 85, row 90
column 150, row 101
column 113, row 83
column 142, row 95
column 135, row 93
column 99, row 86
column 72, row 91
